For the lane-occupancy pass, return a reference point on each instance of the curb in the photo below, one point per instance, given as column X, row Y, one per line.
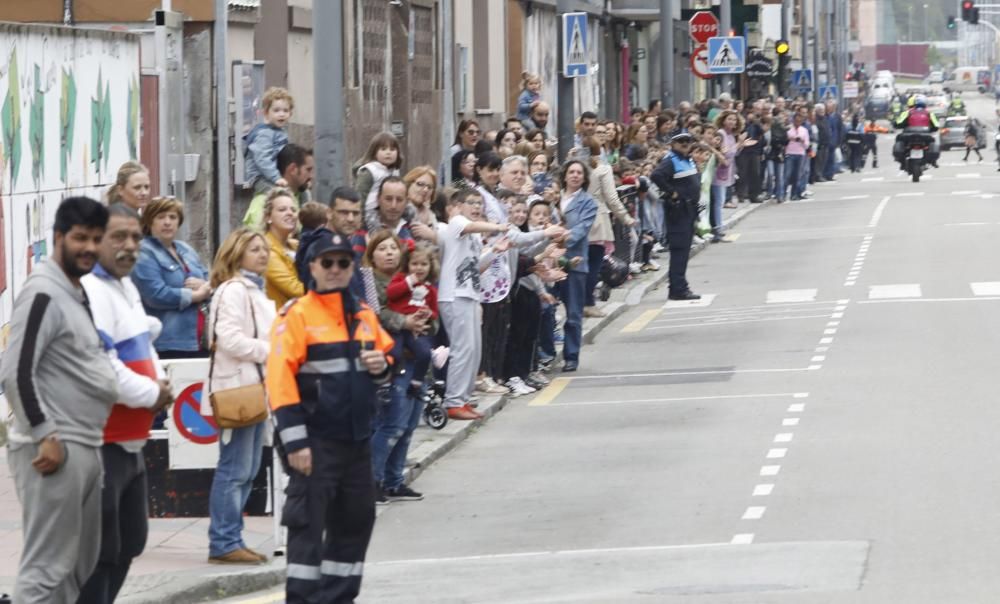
column 188, row 589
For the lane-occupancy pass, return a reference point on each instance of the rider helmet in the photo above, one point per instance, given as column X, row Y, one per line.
column 920, row 102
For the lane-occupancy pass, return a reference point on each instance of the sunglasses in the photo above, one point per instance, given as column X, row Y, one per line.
column 342, row 263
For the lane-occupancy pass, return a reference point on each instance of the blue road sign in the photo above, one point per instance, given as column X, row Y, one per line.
column 803, row 79
column 574, row 50
column 828, row 93
column 727, row 54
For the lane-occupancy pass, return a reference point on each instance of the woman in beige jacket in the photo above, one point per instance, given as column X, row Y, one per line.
column 602, row 235
column 240, row 323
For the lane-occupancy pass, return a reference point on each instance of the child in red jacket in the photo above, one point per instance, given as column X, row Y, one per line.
column 412, row 292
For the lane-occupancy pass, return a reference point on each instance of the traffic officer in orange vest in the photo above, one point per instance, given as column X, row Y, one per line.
column 328, row 354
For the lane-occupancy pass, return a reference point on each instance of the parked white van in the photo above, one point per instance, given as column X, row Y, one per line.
column 967, row 79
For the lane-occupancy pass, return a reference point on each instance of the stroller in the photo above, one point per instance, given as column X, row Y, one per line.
column 435, row 415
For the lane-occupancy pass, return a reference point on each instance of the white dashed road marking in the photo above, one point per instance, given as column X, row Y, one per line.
column 986, row 288
column 784, row 296
column 902, row 290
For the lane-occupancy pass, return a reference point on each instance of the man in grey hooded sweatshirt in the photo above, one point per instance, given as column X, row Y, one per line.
column 61, row 386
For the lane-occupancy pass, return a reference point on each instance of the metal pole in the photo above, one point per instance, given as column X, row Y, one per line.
column 328, row 76
column 786, row 11
column 833, row 49
column 804, row 30
column 448, row 102
column 816, row 49
column 223, row 176
column 565, row 116
column 666, row 52
column 725, row 26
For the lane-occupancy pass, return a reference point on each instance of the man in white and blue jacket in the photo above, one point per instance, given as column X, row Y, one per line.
column 680, row 184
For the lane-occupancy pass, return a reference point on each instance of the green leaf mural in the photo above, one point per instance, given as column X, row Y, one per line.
column 36, row 130
column 67, row 120
column 132, row 126
column 10, row 115
column 100, row 125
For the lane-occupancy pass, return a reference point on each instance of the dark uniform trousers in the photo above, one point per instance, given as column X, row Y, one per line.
column 680, row 231
column 330, row 515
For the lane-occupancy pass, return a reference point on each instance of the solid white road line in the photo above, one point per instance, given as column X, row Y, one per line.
column 911, row 194
column 613, row 376
column 986, row 288
column 953, row 224
column 679, row 399
column 878, row 212
column 536, row 554
column 784, row 296
column 969, row 175
column 901, row 290
column 873, row 179
column 717, row 323
column 977, row 299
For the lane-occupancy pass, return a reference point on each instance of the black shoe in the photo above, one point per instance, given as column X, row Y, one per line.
column 403, row 493
column 380, row 498
column 685, row 295
column 570, row 366
column 534, row 384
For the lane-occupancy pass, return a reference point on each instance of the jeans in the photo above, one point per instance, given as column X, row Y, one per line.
column 573, row 294
column 804, row 173
column 546, row 332
column 595, row 258
column 394, row 426
column 239, row 462
column 778, row 183
column 420, row 348
column 715, row 208
column 793, row 170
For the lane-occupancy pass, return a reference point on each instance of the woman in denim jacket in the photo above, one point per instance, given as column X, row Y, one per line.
column 172, row 281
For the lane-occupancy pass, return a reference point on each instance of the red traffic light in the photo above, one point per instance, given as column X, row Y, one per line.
column 967, row 5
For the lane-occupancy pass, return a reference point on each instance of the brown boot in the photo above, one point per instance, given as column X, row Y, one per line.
column 262, row 557
column 237, row 556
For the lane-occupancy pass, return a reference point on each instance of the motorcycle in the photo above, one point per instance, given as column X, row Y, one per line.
column 915, row 148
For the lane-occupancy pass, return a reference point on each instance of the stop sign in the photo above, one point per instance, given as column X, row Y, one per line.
column 702, row 26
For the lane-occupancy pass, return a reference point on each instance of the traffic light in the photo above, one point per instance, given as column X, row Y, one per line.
column 968, row 10
column 951, row 23
column 974, row 14
column 781, row 47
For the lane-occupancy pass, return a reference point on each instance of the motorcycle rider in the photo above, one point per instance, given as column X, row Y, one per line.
column 917, row 119
column 957, row 106
column 895, row 108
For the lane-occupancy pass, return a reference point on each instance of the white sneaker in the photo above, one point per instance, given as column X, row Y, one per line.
column 488, row 386
column 807, row 193
column 518, row 387
column 658, row 247
column 540, row 377
column 635, row 268
column 655, row 265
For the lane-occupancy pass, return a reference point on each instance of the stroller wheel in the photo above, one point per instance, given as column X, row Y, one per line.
column 435, row 416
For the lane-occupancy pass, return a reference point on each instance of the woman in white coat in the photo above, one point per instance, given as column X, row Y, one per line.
column 240, row 323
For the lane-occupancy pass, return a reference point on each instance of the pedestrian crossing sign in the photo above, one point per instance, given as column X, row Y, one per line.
column 574, row 45
column 727, row 55
column 828, row 93
column 803, row 79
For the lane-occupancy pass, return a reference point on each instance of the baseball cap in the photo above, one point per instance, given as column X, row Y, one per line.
column 682, row 137
column 327, row 242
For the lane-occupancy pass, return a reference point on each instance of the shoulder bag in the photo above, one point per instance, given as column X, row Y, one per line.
column 242, row 406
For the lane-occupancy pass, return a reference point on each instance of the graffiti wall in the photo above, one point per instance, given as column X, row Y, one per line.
column 69, row 117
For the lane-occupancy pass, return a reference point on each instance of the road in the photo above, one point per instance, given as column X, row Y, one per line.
column 819, row 429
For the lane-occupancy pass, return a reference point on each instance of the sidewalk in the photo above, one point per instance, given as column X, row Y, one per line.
column 174, row 567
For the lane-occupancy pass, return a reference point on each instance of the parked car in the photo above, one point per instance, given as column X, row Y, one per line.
column 953, row 132
column 935, row 77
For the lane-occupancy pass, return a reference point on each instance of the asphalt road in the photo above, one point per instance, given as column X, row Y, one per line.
column 820, row 429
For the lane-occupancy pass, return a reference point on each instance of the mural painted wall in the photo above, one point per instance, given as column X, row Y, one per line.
column 69, row 117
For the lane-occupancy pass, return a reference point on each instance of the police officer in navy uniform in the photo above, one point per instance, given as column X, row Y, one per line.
column 679, row 181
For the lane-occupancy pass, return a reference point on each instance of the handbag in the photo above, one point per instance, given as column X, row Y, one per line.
column 241, row 406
